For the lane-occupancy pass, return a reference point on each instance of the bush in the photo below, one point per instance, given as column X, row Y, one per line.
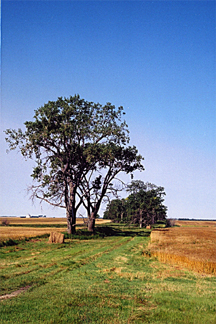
column 170, row 222
column 5, row 222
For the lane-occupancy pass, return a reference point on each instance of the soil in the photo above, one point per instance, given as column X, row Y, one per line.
column 14, row 293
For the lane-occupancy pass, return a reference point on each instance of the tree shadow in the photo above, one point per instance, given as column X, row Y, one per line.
column 103, row 231
column 121, row 231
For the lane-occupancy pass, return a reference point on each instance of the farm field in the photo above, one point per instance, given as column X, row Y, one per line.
column 101, row 280
column 19, row 232
column 20, row 228
column 192, row 245
column 45, row 221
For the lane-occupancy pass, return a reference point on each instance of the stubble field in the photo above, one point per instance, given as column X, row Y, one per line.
column 192, row 244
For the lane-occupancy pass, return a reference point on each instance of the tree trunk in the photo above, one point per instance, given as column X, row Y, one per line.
column 122, row 215
column 91, row 222
column 71, row 213
column 71, row 221
column 141, row 219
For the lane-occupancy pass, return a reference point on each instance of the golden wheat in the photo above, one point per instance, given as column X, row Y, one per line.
column 20, row 232
column 195, row 223
column 192, row 247
column 24, row 232
column 38, row 221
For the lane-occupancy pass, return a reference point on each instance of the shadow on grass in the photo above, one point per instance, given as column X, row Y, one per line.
column 9, row 242
column 107, row 231
column 12, row 242
column 101, row 231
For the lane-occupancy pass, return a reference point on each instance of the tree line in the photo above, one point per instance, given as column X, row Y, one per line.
column 144, row 205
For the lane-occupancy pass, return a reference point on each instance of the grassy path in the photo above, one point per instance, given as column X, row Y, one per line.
column 100, row 281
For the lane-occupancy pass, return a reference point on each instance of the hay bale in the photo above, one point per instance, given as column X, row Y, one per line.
column 56, row 237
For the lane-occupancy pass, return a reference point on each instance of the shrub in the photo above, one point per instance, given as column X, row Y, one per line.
column 5, row 222
column 170, row 222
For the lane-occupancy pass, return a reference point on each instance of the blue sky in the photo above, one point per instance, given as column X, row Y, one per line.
column 155, row 58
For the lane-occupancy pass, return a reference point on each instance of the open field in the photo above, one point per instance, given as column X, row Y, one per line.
column 19, row 232
column 195, row 223
column 42, row 226
column 40, row 220
column 46, row 221
column 192, row 245
column 102, row 280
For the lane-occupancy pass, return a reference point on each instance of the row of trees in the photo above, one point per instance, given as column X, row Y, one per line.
column 143, row 206
column 79, row 148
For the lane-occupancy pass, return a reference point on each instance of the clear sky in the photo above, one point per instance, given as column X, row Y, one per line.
column 155, row 58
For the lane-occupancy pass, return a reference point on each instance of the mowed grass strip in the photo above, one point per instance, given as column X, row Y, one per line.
column 39, row 259
column 192, row 247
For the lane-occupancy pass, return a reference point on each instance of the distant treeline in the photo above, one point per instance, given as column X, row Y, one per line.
column 144, row 205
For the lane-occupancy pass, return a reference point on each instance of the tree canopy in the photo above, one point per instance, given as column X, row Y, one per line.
column 143, row 206
column 78, row 147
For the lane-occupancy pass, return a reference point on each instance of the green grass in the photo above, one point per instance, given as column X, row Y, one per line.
column 100, row 279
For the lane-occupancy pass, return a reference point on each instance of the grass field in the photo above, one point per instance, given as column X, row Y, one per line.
column 102, row 280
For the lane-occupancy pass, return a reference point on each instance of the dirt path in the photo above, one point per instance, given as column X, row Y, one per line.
column 15, row 293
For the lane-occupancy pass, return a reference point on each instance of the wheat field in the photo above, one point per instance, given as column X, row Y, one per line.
column 21, row 232
column 46, row 220
column 192, row 245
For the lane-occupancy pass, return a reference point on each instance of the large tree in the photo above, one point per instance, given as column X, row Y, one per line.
column 78, row 147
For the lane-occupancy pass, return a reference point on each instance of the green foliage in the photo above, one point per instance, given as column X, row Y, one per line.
column 143, row 206
column 115, row 210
